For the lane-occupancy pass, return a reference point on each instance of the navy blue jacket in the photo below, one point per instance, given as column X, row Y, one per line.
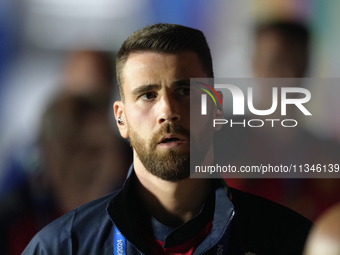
column 251, row 224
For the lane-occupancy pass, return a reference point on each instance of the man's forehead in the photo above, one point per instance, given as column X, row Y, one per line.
column 144, row 66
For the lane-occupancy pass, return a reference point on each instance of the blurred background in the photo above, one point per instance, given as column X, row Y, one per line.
column 57, row 86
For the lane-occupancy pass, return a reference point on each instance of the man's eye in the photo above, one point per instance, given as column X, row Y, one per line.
column 184, row 91
column 148, row 96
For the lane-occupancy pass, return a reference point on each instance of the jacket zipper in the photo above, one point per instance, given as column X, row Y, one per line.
column 219, row 239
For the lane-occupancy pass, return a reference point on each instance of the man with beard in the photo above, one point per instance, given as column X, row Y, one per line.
column 160, row 209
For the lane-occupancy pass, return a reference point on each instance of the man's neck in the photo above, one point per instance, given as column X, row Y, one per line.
column 171, row 203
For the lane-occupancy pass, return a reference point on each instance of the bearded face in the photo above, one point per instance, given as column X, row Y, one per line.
column 170, row 164
column 156, row 112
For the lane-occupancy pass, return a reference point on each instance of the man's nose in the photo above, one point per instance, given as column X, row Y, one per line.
column 169, row 110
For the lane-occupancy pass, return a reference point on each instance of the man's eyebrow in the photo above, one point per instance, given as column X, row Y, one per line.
column 181, row 83
column 145, row 88
column 149, row 87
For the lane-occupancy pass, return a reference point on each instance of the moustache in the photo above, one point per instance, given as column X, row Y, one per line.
column 170, row 128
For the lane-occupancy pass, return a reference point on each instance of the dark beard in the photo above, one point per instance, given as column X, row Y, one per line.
column 171, row 165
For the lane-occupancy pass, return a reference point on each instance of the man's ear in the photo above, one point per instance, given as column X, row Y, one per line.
column 118, row 110
column 219, row 111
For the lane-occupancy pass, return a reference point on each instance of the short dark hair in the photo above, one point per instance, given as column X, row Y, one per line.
column 167, row 38
column 295, row 35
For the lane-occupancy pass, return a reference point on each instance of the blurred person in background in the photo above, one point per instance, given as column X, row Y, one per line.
column 324, row 238
column 84, row 71
column 88, row 71
column 80, row 150
column 282, row 50
column 77, row 150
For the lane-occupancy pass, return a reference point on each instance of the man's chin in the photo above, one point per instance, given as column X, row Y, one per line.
column 173, row 175
column 169, row 166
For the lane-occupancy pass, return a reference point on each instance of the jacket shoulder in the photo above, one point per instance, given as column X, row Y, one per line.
column 88, row 225
column 265, row 227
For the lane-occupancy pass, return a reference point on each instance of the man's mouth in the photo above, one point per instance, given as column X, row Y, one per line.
column 171, row 140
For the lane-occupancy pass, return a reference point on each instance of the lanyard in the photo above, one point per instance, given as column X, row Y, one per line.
column 119, row 242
